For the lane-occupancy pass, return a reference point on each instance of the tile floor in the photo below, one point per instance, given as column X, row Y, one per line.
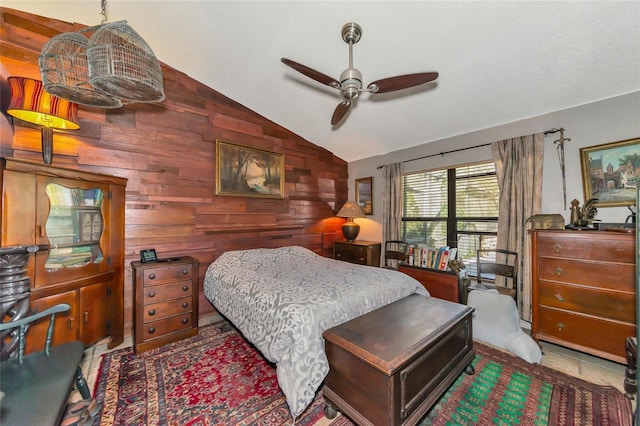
column 578, row 364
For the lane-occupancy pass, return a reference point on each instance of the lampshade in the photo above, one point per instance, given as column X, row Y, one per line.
column 350, row 209
column 31, row 103
column 350, row 229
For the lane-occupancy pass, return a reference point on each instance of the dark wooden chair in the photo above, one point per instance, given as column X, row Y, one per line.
column 395, row 251
column 36, row 386
column 488, row 273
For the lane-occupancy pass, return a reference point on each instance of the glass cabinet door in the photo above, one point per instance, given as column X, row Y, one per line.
column 74, row 227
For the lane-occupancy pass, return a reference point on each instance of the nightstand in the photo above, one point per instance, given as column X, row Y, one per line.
column 360, row 252
column 166, row 302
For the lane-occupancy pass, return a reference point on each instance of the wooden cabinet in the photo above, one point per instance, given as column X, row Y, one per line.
column 79, row 218
column 583, row 290
column 166, row 302
column 441, row 284
column 360, row 252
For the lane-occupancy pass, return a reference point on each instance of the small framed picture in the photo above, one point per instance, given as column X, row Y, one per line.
column 364, row 194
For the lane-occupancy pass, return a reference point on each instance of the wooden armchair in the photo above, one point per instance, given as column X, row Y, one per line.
column 36, row 387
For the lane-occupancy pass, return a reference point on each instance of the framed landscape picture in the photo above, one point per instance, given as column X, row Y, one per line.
column 243, row 171
column 610, row 172
column 364, row 194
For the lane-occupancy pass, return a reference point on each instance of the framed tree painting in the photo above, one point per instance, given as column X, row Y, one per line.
column 364, row 194
column 610, row 172
column 243, row 171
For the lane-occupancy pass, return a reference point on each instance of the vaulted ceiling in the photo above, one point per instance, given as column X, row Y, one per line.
column 498, row 62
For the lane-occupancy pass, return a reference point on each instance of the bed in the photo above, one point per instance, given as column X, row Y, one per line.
column 283, row 299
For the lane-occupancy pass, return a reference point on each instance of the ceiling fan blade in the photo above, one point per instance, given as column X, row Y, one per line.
column 401, row 82
column 341, row 110
column 311, row 73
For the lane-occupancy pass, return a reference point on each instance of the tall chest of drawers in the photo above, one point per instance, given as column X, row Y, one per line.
column 166, row 302
column 583, row 285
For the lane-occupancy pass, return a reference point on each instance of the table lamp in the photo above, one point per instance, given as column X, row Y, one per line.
column 350, row 210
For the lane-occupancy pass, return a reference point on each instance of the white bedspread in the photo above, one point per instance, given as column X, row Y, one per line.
column 283, row 299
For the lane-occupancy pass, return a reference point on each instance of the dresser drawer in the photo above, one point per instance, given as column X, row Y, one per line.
column 586, row 245
column 358, row 252
column 159, row 276
column 597, row 274
column 168, row 291
column 590, row 332
column 588, row 300
column 166, row 326
column 156, row 311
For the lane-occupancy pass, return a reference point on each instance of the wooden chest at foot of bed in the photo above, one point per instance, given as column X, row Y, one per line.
column 389, row 367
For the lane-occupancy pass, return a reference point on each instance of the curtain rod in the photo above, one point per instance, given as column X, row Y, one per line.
column 461, row 149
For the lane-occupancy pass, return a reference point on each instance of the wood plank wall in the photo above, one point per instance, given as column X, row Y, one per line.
column 167, row 153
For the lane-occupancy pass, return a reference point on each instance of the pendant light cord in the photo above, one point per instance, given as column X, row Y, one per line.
column 103, row 11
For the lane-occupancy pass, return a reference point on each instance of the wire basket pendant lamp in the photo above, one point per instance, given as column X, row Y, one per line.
column 115, row 66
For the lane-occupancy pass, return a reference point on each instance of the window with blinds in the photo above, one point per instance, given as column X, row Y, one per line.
column 457, row 207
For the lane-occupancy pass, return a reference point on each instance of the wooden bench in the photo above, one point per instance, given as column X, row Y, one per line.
column 389, row 367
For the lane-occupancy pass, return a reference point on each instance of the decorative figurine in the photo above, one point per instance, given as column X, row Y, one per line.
column 583, row 217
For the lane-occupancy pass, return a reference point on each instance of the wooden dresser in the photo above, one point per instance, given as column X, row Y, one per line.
column 166, row 302
column 583, row 285
column 360, row 252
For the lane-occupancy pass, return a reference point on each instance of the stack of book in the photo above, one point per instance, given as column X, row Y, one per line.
column 432, row 258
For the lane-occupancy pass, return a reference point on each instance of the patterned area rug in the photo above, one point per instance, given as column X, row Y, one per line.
column 506, row 390
column 215, row 378
column 218, row 378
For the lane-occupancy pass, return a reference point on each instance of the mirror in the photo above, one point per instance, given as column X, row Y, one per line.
column 364, row 194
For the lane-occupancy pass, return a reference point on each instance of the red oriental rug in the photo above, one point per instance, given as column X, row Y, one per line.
column 218, row 378
column 215, row 378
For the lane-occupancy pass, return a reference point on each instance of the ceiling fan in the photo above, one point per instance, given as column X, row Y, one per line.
column 351, row 79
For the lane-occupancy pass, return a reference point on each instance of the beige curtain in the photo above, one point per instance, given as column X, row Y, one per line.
column 391, row 202
column 519, row 172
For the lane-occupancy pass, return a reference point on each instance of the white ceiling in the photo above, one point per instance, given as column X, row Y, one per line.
column 498, row 61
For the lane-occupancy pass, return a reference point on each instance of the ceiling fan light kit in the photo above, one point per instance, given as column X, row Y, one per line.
column 350, row 83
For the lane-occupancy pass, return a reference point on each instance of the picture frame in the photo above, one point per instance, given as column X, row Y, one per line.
column 243, row 171
column 610, row 172
column 364, row 194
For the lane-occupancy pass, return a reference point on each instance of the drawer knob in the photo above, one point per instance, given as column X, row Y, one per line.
column 152, row 276
column 185, row 320
column 185, row 287
column 560, row 326
column 185, row 305
column 559, row 297
column 152, row 312
column 152, row 330
column 185, row 271
column 152, row 294
column 557, row 271
column 557, row 248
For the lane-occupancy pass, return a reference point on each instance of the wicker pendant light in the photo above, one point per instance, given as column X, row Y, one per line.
column 65, row 72
column 115, row 66
column 122, row 63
